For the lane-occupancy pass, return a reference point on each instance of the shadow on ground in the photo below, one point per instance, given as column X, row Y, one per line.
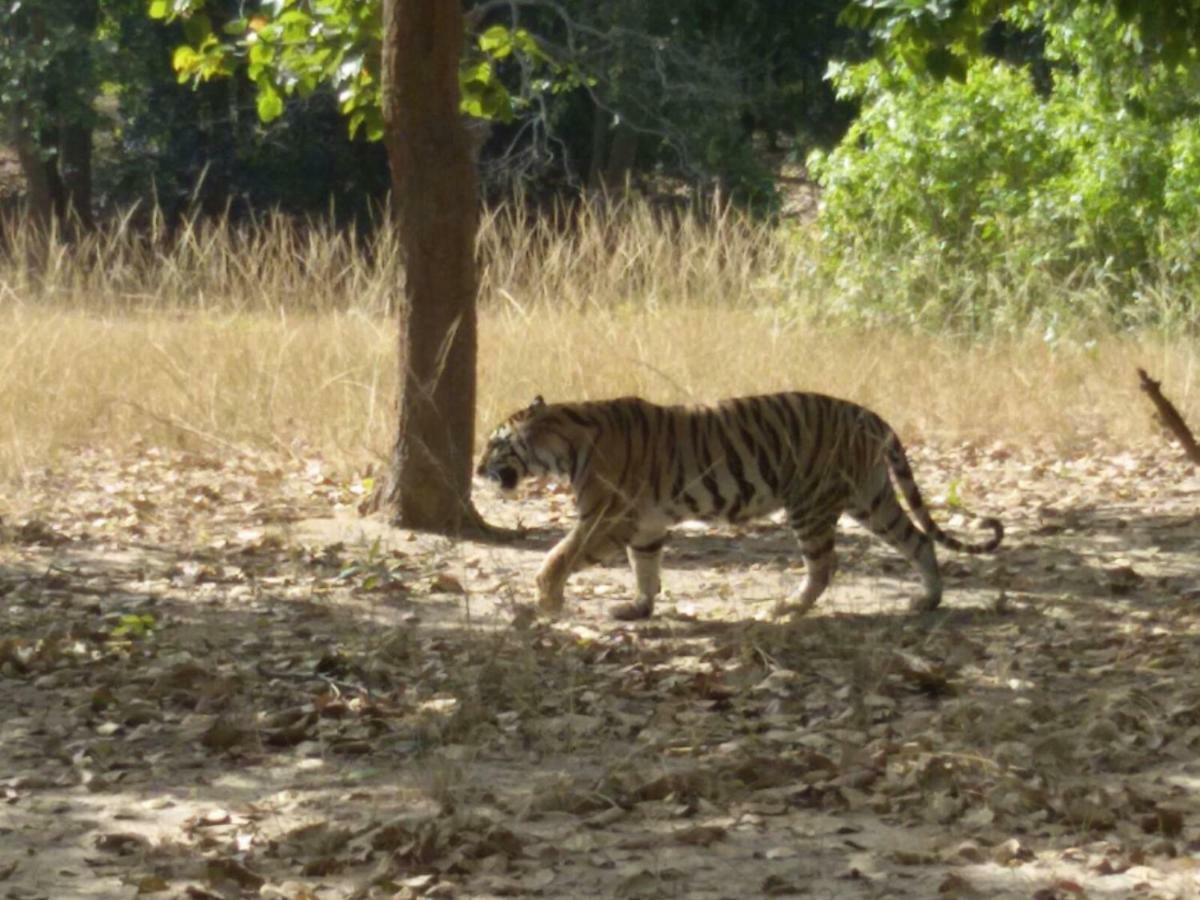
column 335, row 709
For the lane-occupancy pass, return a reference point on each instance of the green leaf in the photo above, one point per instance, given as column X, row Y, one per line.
column 269, row 103
column 953, row 497
column 134, row 625
column 185, row 60
column 196, row 29
column 942, row 64
column 260, row 57
column 295, row 17
column 526, row 43
column 159, row 9
column 497, row 41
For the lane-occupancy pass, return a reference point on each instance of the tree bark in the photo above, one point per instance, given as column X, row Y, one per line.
column 614, row 150
column 53, row 137
column 621, row 155
column 39, row 191
column 600, row 118
column 75, row 172
column 435, row 197
column 75, row 118
column 1170, row 417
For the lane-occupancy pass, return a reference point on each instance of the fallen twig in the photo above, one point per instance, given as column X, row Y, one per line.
column 1170, row 417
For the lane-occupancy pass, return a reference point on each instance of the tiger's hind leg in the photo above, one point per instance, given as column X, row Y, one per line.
column 816, row 540
column 645, row 558
column 881, row 513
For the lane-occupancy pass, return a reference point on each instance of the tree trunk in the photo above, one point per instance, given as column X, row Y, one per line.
column 24, row 136
column 614, row 149
column 621, row 154
column 434, row 193
column 39, row 191
column 595, row 179
column 75, row 117
column 55, row 145
column 75, row 171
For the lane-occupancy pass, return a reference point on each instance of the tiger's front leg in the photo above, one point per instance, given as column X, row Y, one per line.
column 589, row 542
column 557, row 567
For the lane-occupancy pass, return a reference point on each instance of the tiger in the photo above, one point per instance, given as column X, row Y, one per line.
column 636, row 468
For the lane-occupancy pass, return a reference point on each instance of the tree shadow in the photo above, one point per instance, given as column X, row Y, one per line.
column 266, row 694
column 1083, row 547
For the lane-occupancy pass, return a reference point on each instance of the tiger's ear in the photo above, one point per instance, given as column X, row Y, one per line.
column 538, row 402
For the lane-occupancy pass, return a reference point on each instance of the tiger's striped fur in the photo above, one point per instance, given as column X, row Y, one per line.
column 637, row 468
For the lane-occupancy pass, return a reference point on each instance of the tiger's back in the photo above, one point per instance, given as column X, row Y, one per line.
column 636, row 468
column 736, row 460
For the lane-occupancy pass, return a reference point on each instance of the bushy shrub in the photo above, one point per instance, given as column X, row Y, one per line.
column 947, row 162
column 1099, row 175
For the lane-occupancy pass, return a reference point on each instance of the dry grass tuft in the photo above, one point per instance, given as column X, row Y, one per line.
column 1016, row 390
column 270, row 334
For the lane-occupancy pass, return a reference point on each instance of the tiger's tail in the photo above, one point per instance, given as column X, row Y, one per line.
column 902, row 474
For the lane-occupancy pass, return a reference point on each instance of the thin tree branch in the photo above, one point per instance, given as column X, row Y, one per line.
column 677, row 75
column 1170, row 417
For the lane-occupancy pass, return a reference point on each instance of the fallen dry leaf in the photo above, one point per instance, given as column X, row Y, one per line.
column 206, row 696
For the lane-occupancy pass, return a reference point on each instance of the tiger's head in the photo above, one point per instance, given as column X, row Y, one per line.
column 510, row 454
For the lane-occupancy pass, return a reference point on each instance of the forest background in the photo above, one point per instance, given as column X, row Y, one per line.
column 975, row 216
column 1019, row 176
column 1036, row 141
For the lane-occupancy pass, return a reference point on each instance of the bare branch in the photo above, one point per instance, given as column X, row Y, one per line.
column 678, row 75
column 1170, row 417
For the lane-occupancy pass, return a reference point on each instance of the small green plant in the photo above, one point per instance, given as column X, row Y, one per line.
column 133, row 626
column 377, row 569
column 953, row 498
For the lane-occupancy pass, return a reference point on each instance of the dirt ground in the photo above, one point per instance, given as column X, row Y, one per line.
column 217, row 680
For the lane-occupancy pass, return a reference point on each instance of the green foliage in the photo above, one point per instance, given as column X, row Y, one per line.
column 945, row 161
column 287, row 47
column 927, row 36
column 293, row 47
column 46, row 62
column 954, row 495
column 134, row 626
column 989, row 172
column 376, row 569
column 938, row 37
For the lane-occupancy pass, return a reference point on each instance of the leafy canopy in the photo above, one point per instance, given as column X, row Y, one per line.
column 48, row 60
column 939, row 37
column 292, row 47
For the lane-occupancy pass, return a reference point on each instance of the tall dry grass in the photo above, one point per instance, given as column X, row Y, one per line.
column 275, row 334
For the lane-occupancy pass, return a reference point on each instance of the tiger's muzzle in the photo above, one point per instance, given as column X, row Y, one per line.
column 502, row 474
column 507, row 477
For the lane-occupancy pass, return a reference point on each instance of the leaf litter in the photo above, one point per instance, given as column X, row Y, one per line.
column 218, row 681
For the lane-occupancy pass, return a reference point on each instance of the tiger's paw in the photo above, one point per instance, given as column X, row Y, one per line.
column 925, row 603
column 524, row 615
column 785, row 610
column 632, row 612
column 550, row 596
